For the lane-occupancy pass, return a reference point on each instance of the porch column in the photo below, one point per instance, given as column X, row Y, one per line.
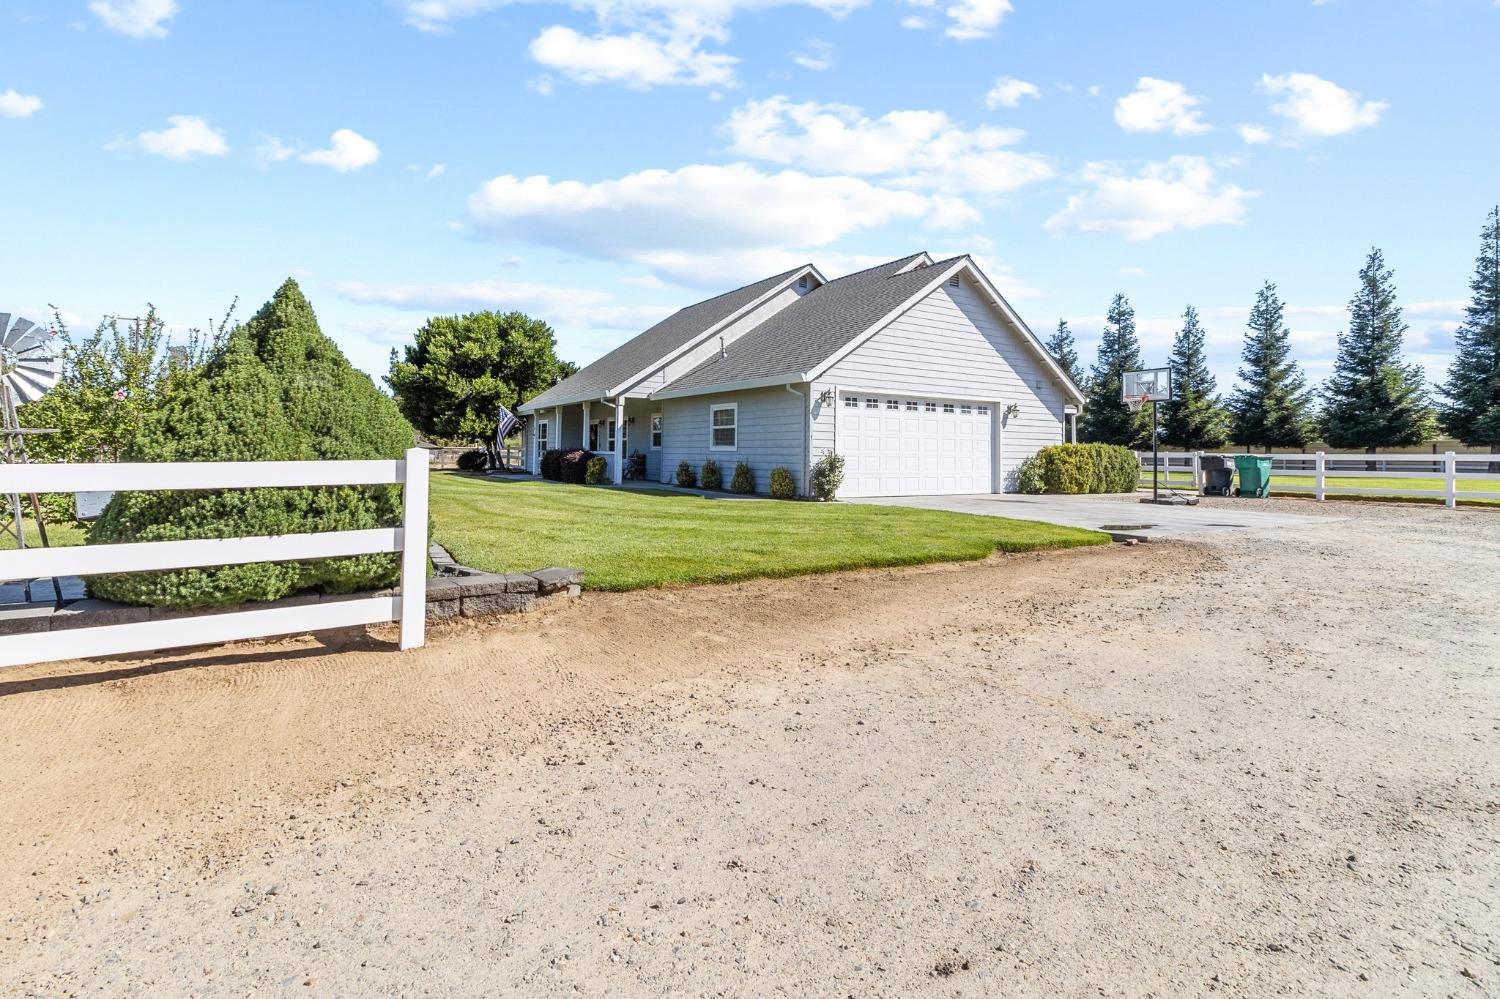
column 619, row 440
column 557, row 440
column 585, row 441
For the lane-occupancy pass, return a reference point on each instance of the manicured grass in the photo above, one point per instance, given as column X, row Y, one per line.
column 625, row 539
column 59, row 535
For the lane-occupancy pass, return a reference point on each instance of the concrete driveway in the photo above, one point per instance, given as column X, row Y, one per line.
column 1119, row 515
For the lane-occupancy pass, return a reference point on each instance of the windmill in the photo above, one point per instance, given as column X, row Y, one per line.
column 29, row 369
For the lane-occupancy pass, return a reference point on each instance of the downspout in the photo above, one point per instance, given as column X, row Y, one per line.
column 806, row 403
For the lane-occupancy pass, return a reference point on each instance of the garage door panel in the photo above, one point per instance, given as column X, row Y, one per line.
column 923, row 446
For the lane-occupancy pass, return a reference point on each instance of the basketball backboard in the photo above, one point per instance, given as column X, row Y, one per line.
column 1147, row 385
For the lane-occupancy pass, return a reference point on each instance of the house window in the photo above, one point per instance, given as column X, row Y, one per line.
column 611, row 437
column 947, row 407
column 723, row 429
column 911, row 407
column 655, row 431
column 541, row 441
column 892, row 404
column 872, row 403
column 930, row 407
column 851, row 402
column 966, row 410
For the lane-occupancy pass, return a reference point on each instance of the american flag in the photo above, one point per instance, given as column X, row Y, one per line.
column 507, row 422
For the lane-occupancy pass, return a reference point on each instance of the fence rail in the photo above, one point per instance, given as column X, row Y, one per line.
column 410, row 540
column 1445, row 470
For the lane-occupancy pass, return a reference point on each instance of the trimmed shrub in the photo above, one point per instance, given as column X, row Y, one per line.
column 743, row 481
column 573, row 466
column 711, row 477
column 473, row 461
column 827, row 476
column 1072, row 469
column 1029, row 478
column 686, row 477
column 277, row 390
column 593, row 473
column 552, row 464
column 783, row 486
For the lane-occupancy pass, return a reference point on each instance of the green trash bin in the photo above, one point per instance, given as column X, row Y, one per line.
column 1255, row 475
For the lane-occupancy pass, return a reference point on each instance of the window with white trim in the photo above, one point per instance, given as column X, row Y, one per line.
column 947, row 407
column 851, row 402
column 966, row 410
column 872, row 403
column 723, row 426
column 611, row 441
column 892, row 404
column 656, row 431
column 930, row 407
column 911, row 406
column 541, row 440
column 984, row 410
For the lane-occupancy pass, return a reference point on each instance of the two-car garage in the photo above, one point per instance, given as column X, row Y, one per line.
column 906, row 445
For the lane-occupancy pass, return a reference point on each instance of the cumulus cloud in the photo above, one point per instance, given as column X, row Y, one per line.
column 347, row 151
column 637, row 60
column 18, row 105
column 185, row 137
column 815, row 54
column 1160, row 105
column 1256, row 135
column 914, row 149
column 1008, row 92
column 966, row 19
column 271, row 150
column 1181, row 193
column 697, row 223
column 135, row 18
column 1312, row 107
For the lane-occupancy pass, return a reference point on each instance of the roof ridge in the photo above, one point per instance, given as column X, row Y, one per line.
column 770, row 277
column 876, row 267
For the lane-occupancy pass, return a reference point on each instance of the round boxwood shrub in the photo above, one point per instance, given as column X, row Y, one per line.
column 1081, row 468
column 473, row 461
column 278, row 390
column 593, row 473
column 711, row 477
column 783, row 486
column 686, row 477
column 743, row 481
column 827, row 475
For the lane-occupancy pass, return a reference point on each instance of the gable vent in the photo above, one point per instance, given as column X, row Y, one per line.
column 953, row 281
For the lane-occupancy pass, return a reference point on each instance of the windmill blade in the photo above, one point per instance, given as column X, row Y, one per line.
column 4, row 322
column 29, row 367
column 18, row 331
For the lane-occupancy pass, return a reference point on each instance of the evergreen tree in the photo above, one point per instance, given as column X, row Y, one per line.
column 1272, row 407
column 1372, row 399
column 1195, row 419
column 1471, row 410
column 1065, row 352
column 1106, row 418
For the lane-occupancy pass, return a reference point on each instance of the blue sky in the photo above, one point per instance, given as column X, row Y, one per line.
column 600, row 164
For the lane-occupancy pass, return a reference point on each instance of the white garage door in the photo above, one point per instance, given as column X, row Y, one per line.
column 914, row 446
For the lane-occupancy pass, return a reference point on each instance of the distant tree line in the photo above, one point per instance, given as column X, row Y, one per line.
column 1373, row 399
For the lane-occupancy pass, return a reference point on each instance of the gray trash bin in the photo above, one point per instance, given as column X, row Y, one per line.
column 1218, row 474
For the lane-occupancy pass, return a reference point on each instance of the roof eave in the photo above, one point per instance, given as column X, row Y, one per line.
column 766, row 381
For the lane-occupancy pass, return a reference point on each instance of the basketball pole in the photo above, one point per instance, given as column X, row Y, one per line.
column 1155, row 464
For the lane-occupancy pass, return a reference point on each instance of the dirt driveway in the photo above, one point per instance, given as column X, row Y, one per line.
column 1257, row 763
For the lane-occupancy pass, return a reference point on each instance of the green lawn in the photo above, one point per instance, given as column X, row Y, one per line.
column 60, row 535
column 625, row 539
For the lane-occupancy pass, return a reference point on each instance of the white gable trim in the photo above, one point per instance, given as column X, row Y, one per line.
column 808, row 270
column 923, row 259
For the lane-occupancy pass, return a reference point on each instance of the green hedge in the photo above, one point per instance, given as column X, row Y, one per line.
column 1072, row 469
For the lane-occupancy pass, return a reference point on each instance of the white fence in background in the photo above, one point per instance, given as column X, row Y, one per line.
column 410, row 539
column 1451, row 467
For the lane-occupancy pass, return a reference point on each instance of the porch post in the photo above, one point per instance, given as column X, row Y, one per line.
column 557, row 440
column 585, row 441
column 619, row 440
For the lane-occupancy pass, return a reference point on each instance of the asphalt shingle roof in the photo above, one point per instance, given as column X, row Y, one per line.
column 642, row 352
column 810, row 330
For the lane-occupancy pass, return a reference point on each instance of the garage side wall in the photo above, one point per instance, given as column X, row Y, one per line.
column 771, row 432
column 953, row 343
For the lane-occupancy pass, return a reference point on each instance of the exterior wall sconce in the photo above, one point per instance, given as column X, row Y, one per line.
column 826, row 397
column 1012, row 411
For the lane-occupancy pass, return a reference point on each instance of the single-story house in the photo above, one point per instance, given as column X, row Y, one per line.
column 917, row 371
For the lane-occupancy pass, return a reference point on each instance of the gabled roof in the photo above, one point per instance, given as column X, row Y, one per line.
column 812, row 329
column 638, row 356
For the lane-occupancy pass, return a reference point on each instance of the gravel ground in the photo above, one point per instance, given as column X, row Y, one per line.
column 1254, row 764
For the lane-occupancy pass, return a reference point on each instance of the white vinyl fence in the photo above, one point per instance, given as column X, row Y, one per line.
column 1450, row 467
column 410, row 539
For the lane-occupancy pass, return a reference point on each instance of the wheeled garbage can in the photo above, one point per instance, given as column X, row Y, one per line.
column 1255, row 475
column 1218, row 474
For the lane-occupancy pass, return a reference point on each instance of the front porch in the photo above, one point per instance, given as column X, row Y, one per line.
column 615, row 429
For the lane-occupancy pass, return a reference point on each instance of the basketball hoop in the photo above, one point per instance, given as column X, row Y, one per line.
column 1137, row 403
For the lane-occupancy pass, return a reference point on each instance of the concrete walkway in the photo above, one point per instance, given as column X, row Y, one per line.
column 1121, row 515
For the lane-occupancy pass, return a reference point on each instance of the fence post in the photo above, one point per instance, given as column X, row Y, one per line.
column 1198, row 470
column 414, row 550
column 1450, row 472
column 1320, row 466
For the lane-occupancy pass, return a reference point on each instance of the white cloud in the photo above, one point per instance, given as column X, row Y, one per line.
column 570, row 306
column 1160, row 105
column 918, row 149
column 1178, row 194
column 271, row 150
column 18, row 105
column 1008, row 91
column 699, row 223
column 186, row 137
column 815, row 54
column 914, row 23
column 1314, row 107
column 135, row 18
column 347, row 150
column 637, row 60
column 1256, row 135
column 967, row 19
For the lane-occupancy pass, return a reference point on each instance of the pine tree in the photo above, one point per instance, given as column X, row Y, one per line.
column 1471, row 410
column 1065, row 352
column 1106, row 418
column 1272, row 407
column 1372, row 399
column 1195, row 418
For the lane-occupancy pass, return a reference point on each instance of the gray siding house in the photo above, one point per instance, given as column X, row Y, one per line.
column 917, row 371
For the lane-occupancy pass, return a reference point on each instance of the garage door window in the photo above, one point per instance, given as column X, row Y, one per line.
column 851, row 402
column 723, row 426
column 947, row 407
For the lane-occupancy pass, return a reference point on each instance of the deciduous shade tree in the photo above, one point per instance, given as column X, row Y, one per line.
column 1195, row 418
column 277, row 390
column 1272, row 407
column 1470, row 410
column 451, row 382
column 1065, row 351
column 1372, row 399
column 1106, row 418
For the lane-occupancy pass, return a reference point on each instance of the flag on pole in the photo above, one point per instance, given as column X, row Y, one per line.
column 505, row 423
